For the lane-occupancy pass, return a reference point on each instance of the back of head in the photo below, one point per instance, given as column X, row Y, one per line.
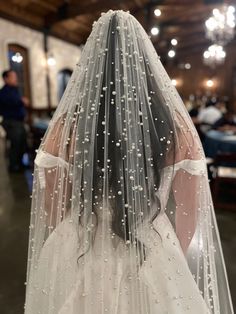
column 134, row 126
column 5, row 74
column 10, row 77
column 210, row 103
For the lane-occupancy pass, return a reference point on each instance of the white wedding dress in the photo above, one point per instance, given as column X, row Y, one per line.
column 171, row 288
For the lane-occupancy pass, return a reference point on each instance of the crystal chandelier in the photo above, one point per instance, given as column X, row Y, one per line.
column 220, row 26
column 215, row 55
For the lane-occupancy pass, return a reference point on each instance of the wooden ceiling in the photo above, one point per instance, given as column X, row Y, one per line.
column 71, row 20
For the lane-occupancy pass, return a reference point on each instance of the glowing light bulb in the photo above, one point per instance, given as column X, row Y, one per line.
column 157, row 12
column 174, row 82
column 155, row 31
column 171, row 53
column 209, row 83
column 51, row 61
column 187, row 66
column 174, row 42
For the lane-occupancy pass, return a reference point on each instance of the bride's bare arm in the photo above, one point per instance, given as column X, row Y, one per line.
column 186, row 183
column 57, row 180
column 185, row 186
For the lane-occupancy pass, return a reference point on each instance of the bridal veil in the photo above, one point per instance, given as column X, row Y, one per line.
column 119, row 173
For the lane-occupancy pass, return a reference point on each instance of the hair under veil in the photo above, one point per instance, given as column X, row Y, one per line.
column 122, row 218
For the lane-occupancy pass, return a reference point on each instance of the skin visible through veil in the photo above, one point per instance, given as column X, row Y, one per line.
column 122, row 219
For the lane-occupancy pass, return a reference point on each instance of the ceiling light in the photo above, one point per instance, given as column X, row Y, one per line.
column 157, row 12
column 171, row 53
column 187, row 66
column 155, row 31
column 51, row 60
column 209, row 83
column 174, row 42
column 174, row 82
column 220, row 26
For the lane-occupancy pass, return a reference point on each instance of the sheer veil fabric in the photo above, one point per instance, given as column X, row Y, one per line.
column 122, row 219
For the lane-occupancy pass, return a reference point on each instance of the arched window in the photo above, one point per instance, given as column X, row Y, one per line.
column 19, row 62
column 63, row 77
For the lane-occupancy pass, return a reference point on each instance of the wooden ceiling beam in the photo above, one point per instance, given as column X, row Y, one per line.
column 68, row 11
column 195, row 38
column 190, row 16
column 183, row 53
column 184, row 46
column 83, row 26
column 72, row 37
column 20, row 15
column 73, row 26
column 183, row 19
column 184, row 2
column 186, row 30
column 21, row 3
column 46, row 5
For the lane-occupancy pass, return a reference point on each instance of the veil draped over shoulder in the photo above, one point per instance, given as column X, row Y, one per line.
column 122, row 219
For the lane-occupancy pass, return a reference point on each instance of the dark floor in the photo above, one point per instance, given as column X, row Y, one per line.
column 14, row 222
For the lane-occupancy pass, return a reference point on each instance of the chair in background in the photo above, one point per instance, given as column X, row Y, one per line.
column 224, row 181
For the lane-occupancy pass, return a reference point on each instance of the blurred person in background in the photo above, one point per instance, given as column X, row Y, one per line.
column 12, row 109
column 226, row 123
column 194, row 112
column 211, row 113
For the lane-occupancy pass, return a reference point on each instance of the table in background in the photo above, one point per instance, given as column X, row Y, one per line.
column 219, row 142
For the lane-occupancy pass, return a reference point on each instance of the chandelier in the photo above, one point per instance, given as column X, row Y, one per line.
column 220, row 26
column 215, row 55
column 220, row 30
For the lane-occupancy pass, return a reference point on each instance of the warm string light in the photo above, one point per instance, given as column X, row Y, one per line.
column 174, row 42
column 177, row 82
column 209, row 83
column 174, row 82
column 171, row 53
column 157, row 12
column 184, row 66
column 187, row 66
column 155, row 31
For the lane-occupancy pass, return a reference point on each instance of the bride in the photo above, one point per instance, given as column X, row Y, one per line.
column 122, row 220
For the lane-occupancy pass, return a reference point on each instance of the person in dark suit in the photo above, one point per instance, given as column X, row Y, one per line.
column 12, row 109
